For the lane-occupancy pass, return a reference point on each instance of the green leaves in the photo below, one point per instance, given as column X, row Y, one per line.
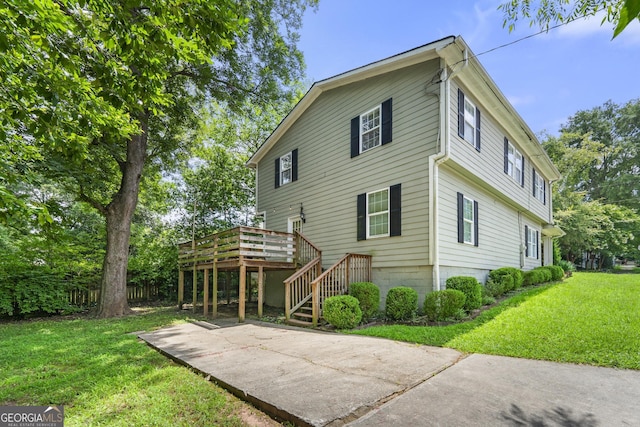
column 629, row 11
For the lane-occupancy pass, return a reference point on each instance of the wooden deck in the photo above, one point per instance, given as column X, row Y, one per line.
column 245, row 249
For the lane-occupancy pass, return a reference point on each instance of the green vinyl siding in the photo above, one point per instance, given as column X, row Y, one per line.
column 329, row 180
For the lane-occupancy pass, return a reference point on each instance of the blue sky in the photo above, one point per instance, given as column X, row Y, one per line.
column 547, row 78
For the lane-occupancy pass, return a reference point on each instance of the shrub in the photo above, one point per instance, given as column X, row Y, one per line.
column 557, row 273
column 441, row 305
column 493, row 289
column 518, row 278
column 368, row 295
column 546, row 274
column 503, row 280
column 401, row 303
column 567, row 266
column 342, row 311
column 487, row 300
column 471, row 289
column 28, row 289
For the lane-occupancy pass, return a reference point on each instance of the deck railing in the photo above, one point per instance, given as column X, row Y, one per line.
column 248, row 243
column 349, row 269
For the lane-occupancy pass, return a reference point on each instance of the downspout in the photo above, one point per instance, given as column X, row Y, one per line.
column 435, row 161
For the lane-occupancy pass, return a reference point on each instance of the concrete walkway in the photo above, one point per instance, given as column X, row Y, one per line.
column 323, row 379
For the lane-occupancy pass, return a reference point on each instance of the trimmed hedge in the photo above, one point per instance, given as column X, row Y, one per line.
column 557, row 273
column 368, row 294
column 501, row 280
column 471, row 289
column 441, row 305
column 538, row 275
column 342, row 311
column 401, row 303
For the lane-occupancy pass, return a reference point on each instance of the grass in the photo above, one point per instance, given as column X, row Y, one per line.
column 591, row 318
column 104, row 375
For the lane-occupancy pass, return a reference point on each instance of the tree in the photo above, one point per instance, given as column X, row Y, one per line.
column 545, row 12
column 99, row 93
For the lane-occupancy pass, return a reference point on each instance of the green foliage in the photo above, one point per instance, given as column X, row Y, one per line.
column 539, row 275
column 488, row 300
column 502, row 281
column 567, row 266
column 471, row 289
column 26, row 289
column 557, row 273
column 547, row 12
column 368, row 295
column 401, row 303
column 494, row 289
column 342, row 311
column 444, row 304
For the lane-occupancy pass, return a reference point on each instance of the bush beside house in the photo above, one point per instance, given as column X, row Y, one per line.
column 401, row 303
column 342, row 311
column 471, row 288
column 368, row 295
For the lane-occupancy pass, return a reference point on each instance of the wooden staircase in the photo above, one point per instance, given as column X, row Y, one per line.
column 307, row 288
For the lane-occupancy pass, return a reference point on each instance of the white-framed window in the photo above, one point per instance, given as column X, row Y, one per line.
column 469, row 220
column 286, row 165
column 378, row 213
column 532, row 242
column 514, row 164
column 538, row 187
column 469, row 122
column 370, row 129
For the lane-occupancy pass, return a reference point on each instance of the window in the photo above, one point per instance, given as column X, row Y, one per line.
column 379, row 213
column 539, row 187
column 531, row 237
column 371, row 129
column 287, row 168
column 468, row 121
column 513, row 162
column 467, row 220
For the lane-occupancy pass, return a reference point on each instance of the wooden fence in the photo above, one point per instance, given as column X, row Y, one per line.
column 134, row 294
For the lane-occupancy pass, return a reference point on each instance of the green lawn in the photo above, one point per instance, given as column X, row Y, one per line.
column 591, row 318
column 105, row 376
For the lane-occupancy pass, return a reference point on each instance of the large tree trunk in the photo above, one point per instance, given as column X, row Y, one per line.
column 119, row 213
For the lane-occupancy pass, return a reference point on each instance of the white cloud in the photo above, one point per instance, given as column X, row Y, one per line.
column 595, row 26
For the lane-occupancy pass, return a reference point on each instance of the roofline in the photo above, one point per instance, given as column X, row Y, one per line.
column 400, row 60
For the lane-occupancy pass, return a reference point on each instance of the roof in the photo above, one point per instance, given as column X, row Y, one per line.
column 451, row 49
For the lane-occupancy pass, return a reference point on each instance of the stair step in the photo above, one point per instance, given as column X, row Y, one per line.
column 305, row 315
column 296, row 322
column 306, row 308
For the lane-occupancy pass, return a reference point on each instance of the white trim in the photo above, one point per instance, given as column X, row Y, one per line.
column 388, row 212
column 466, row 221
column 379, row 127
column 290, row 169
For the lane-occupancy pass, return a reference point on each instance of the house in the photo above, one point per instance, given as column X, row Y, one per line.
column 418, row 160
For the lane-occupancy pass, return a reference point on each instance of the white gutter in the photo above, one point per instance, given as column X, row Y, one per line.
column 435, row 161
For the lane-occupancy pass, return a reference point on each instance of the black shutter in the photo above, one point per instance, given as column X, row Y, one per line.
column 387, row 119
column 395, row 211
column 277, row 172
column 535, row 192
column 294, row 165
column 460, row 218
column 362, row 216
column 522, row 173
column 544, row 192
column 506, row 155
column 477, row 129
column 355, row 137
column 526, row 240
column 475, row 223
column 537, row 244
column 460, row 114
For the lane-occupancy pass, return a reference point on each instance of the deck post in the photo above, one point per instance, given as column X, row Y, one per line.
column 260, row 290
column 242, row 292
column 195, row 287
column 205, row 310
column 315, row 303
column 214, row 296
column 287, row 300
column 180, row 288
